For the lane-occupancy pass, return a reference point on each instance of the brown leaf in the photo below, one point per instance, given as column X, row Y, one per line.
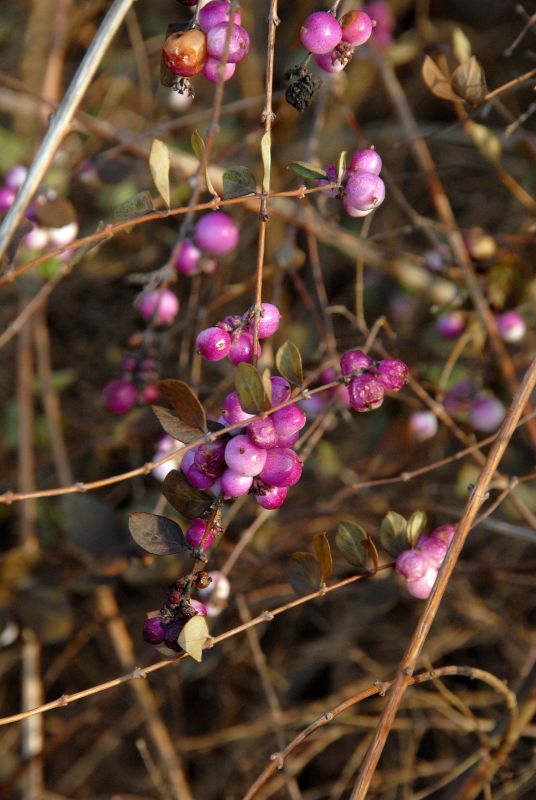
column 322, row 551
column 469, row 82
column 175, row 426
column 304, row 573
column 188, row 501
column 437, row 81
column 158, row 535
column 185, row 402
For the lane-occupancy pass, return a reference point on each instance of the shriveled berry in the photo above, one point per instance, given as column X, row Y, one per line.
column 365, row 392
column 365, row 191
column 213, row 344
column 320, row 32
column 273, row 497
column 185, row 52
column 393, row 374
column 209, row 458
column 153, row 630
column 354, row 362
column 356, row 27
column 262, row 433
column 238, row 45
column 334, row 61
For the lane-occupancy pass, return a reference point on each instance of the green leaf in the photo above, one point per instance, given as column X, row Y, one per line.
column 304, row 573
column 289, row 363
column 371, row 549
column 393, row 533
column 248, row 384
column 238, row 182
column 159, row 166
column 158, row 535
column 176, row 428
column 266, row 152
column 193, row 636
column 307, row 170
column 136, row 206
column 184, row 401
column 188, row 501
column 198, row 144
column 341, row 166
column 322, row 552
column 349, row 540
column 415, row 527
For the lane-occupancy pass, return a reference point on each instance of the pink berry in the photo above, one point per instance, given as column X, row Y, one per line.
column 211, row 70
column 445, row 533
column 216, row 12
column 188, row 258
column 486, row 413
column 280, row 390
column 241, row 349
column 512, row 327
column 354, row 362
column 365, row 191
column 288, row 420
column 333, row 62
column 119, row 396
column 366, row 393
column 232, row 411
column 411, row 564
column 61, row 237
column 216, row 233
column 366, row 161
column 356, row 27
column 235, row 485
column 289, row 440
column 422, row 587
column 199, row 607
column 213, row 344
column 273, row 497
column 187, row 461
column 262, row 433
column 16, row 176
column 245, row 458
column 282, row 468
column 450, row 324
column 352, row 211
column 160, row 305
column 393, row 374
column 320, row 32
column 37, row 238
column 382, row 15
column 269, row 320
column 238, row 46
column 150, row 394
column 7, row 196
column 422, row 425
column 433, row 549
column 195, row 533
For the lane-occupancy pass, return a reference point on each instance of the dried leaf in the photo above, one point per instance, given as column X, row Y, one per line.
column 159, row 166
column 349, row 540
column 468, row 81
column 266, row 153
column 198, row 144
column 304, row 573
column 185, row 402
column 248, row 384
column 307, row 170
column 437, row 81
column 137, row 206
column 341, row 166
column 175, row 426
column 393, row 533
column 188, row 501
column 289, row 363
column 461, row 45
column 193, row 636
column 158, row 535
column 322, row 551
column 54, row 213
column 415, row 527
column 371, row 549
column 238, row 182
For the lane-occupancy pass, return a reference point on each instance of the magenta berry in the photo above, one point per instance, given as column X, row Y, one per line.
column 333, row 62
column 356, row 27
column 197, row 478
column 195, row 533
column 171, row 634
column 209, row 458
column 216, row 233
column 412, row 564
column 245, row 458
column 450, row 324
column 187, row 461
column 216, row 12
column 211, row 70
column 241, row 349
column 288, row 421
column 119, row 396
column 280, row 390
column 364, row 191
column 233, row 484
column 7, row 196
column 233, row 412
column 382, row 15
column 269, row 320
column 512, row 327
column 354, row 362
column 273, row 497
column 486, row 413
column 433, row 549
column 393, row 374
column 199, row 607
column 366, row 161
column 213, row 344
column 188, row 258
column 320, row 32
column 282, row 468
column 365, row 393
column 153, row 630
column 238, row 46
column 444, row 532
column 160, row 306
column 422, row 587
column 262, row 433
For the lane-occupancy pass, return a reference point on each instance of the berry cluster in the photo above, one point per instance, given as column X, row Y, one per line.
column 362, row 189
column 233, row 336
column 419, row 566
column 201, row 47
column 136, row 381
column 164, row 628
column 333, row 41
column 214, row 234
column 368, row 380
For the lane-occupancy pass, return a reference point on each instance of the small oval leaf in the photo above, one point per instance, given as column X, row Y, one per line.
column 248, row 384
column 371, row 549
column 415, row 527
column 393, row 533
column 437, row 81
column 198, row 144
column 188, row 501
column 289, row 363
column 307, row 170
column 159, row 166
column 176, row 428
column 266, row 379
column 469, row 82
column 193, row 636
column 184, row 401
column 304, row 573
column 349, row 540
column 322, row 552
column 158, row 535
column 238, row 182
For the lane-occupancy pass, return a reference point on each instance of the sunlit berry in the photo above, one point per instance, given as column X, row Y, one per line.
column 269, row 319
column 245, row 458
column 232, row 411
column 215, row 12
column 185, row 52
column 238, row 44
column 422, row 587
column 160, row 306
column 434, row 549
column 411, row 564
column 233, row 484
column 365, row 191
column 216, row 233
column 282, row 468
column 241, row 350
column 512, row 327
column 320, row 32
column 288, row 420
column 356, row 27
column 213, row 344
column 367, row 160
column 273, row 497
column 365, row 392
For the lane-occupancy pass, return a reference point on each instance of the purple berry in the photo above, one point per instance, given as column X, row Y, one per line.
column 320, row 32
column 245, row 458
column 153, row 630
column 188, row 258
column 450, row 324
column 241, row 349
column 7, row 196
column 216, row 233
column 411, row 565
column 433, row 549
column 238, row 46
column 211, row 70
column 281, row 390
column 235, row 485
column 422, row 425
column 282, row 468
column 119, row 396
column 421, row 588
column 171, row 634
column 512, row 327
column 232, row 411
column 274, row 497
column 188, row 460
column 356, row 27
column 486, row 413
column 393, row 374
column 216, row 12
column 209, row 458
column 198, row 479
column 213, row 344
column 366, row 393
column 331, row 172
column 288, row 420
column 262, row 433
column 161, row 306
column 196, row 531
column 269, row 320
column 353, row 362
column 364, row 191
column 366, row 161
